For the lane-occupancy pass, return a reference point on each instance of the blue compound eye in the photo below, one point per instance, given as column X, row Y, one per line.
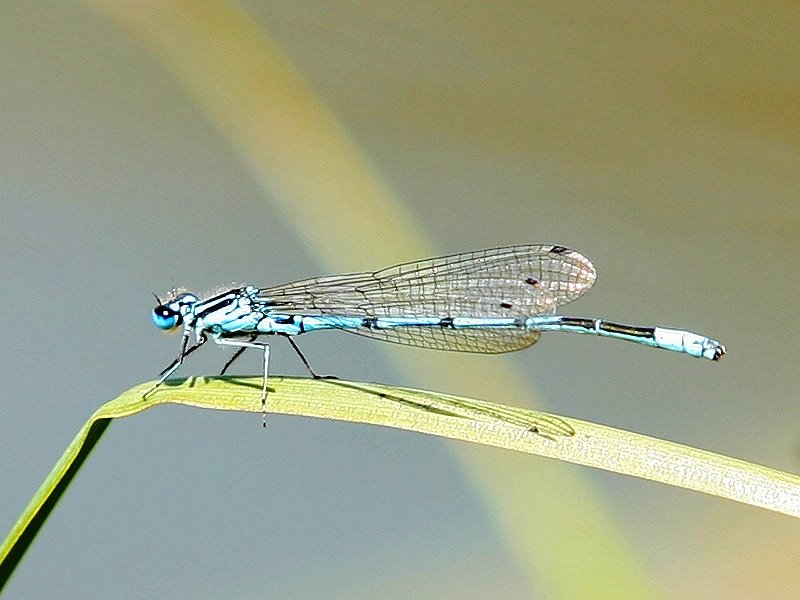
column 166, row 318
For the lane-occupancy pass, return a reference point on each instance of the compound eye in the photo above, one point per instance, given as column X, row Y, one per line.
column 166, row 318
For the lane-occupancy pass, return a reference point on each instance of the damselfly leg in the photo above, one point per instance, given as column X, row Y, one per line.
column 265, row 348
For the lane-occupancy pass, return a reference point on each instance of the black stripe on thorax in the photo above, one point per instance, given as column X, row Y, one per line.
column 217, row 302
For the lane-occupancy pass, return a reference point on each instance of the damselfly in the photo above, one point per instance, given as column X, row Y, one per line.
column 489, row 301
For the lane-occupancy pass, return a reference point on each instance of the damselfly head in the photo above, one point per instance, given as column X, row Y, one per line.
column 169, row 315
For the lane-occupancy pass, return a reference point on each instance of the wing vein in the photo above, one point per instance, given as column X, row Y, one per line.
column 514, row 281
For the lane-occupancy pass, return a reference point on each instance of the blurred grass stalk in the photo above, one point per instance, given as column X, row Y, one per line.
column 338, row 205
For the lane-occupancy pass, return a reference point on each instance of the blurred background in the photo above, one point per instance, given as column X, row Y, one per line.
column 145, row 145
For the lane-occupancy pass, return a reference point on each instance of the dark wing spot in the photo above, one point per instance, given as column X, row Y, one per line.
column 505, row 305
column 558, row 249
column 532, row 281
column 446, row 322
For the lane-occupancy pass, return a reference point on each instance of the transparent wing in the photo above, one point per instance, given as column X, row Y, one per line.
column 516, row 281
column 483, row 341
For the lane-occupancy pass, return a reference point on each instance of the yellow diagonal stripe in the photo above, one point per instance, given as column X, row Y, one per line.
column 556, row 525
